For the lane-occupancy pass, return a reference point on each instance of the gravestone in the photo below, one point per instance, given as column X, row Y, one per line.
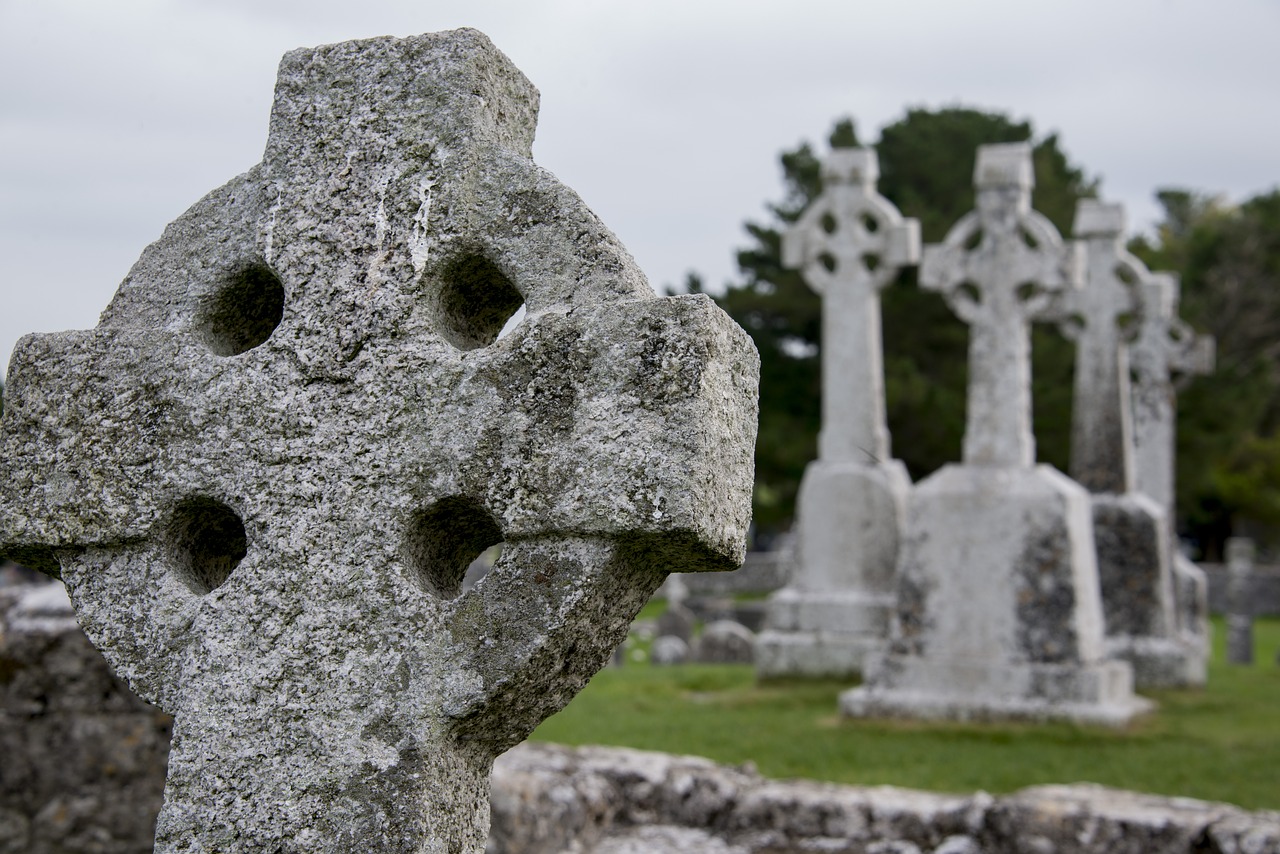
column 998, row 610
column 1131, row 530
column 677, row 621
column 1163, row 349
column 1240, row 552
column 263, row 475
column 849, row 244
column 668, row 649
column 724, row 642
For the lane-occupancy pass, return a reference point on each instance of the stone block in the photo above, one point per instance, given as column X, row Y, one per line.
column 999, row 613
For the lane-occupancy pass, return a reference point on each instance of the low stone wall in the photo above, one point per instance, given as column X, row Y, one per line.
column 595, row 800
column 82, row 759
column 1264, row 589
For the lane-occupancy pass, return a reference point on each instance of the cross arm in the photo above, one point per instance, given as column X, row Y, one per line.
column 651, row 475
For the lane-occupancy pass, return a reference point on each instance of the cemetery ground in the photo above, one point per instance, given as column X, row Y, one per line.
column 1219, row 743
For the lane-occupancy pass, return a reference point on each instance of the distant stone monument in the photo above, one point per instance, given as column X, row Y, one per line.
column 1240, row 553
column 1163, row 349
column 1131, row 530
column 264, row 473
column 850, row 243
column 998, row 609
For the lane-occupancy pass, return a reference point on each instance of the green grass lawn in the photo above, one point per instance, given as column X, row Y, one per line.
column 1221, row 743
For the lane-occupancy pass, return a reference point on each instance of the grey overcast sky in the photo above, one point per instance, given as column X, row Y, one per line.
column 666, row 116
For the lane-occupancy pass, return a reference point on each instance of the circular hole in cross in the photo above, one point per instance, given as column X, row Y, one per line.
column 1125, row 274
column 828, row 262
column 870, row 224
column 475, row 301
column 244, row 311
column 208, row 541
column 445, row 539
column 829, row 223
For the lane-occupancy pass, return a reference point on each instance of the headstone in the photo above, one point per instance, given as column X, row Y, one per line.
column 668, row 649
column 724, row 642
column 1131, row 531
column 849, row 244
column 998, row 610
column 1164, row 348
column 264, row 473
column 1240, row 552
column 677, row 621
column 673, row 590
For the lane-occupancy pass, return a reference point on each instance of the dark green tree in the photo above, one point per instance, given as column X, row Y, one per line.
column 926, row 165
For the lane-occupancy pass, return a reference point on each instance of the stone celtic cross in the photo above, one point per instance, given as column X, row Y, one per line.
column 850, row 243
column 263, row 474
column 998, row 268
column 1101, row 317
column 1163, row 346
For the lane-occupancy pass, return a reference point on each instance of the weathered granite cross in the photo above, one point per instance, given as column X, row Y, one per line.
column 1101, row 317
column 1163, row 346
column 1131, row 532
column 850, row 243
column 265, row 471
column 998, row 269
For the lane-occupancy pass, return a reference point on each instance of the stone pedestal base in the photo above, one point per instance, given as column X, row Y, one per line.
column 1177, row 662
column 821, row 634
column 998, row 612
column 1096, row 693
column 1135, row 571
column 837, row 607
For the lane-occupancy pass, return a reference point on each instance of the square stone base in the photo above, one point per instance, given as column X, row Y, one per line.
column 821, row 633
column 813, row 655
column 967, row 690
column 1162, row 662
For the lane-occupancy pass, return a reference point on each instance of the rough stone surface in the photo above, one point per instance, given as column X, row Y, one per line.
column 550, row 799
column 998, row 613
column 82, row 759
column 725, row 642
column 761, row 572
column 850, row 243
column 1139, row 593
column 264, row 473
